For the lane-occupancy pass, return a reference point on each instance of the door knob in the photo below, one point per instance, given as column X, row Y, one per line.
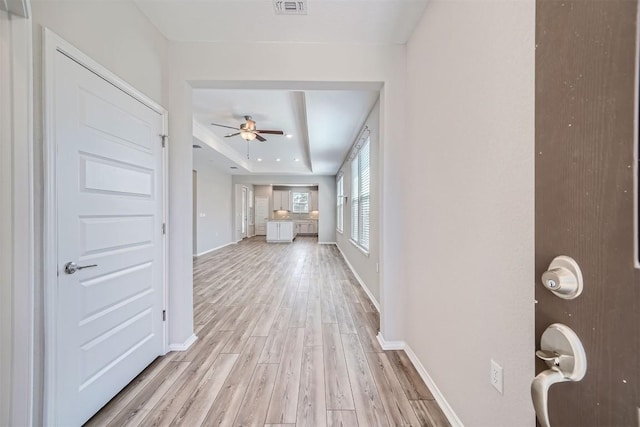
column 563, row 277
column 562, row 351
column 72, row 267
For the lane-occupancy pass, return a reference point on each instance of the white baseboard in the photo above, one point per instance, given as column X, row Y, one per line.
column 390, row 345
column 327, row 243
column 442, row 402
column 215, row 249
column 185, row 345
column 362, row 284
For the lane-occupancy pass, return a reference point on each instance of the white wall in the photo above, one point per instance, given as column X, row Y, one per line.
column 365, row 264
column 326, row 197
column 214, row 201
column 336, row 65
column 469, row 164
column 6, row 214
column 115, row 34
column 16, row 219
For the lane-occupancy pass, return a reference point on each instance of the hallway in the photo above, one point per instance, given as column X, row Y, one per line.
column 286, row 336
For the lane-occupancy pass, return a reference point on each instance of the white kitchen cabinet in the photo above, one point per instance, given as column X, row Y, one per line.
column 307, row 227
column 281, row 200
column 281, row 231
column 314, row 201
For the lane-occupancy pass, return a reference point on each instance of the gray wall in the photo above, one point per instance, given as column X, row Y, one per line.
column 326, row 197
column 364, row 264
column 214, row 201
column 469, row 248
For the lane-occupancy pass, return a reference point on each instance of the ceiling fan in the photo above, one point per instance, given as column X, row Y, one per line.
column 248, row 131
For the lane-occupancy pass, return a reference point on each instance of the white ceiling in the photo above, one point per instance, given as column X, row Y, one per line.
column 216, row 159
column 327, row 21
column 323, row 124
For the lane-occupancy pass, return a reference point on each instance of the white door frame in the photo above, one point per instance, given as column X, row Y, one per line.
column 52, row 45
column 17, row 210
column 244, row 212
column 195, row 213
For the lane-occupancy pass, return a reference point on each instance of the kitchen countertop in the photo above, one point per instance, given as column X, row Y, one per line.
column 293, row 219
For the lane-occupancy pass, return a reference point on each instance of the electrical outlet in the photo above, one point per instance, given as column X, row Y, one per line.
column 496, row 376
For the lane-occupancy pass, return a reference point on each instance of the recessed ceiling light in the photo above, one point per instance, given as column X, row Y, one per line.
column 277, row 160
column 289, row 135
column 297, row 160
column 259, row 160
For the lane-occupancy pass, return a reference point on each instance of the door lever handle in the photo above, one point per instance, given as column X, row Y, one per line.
column 562, row 351
column 72, row 267
column 540, row 393
column 548, row 356
column 555, row 358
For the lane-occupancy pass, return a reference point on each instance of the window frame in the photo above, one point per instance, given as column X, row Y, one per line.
column 340, row 204
column 293, row 201
column 357, row 232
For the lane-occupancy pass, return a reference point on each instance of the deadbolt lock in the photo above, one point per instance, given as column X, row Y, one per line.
column 563, row 278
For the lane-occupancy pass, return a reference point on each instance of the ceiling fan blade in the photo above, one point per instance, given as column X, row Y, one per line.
column 224, row 126
column 259, row 138
column 272, row 132
column 232, row 134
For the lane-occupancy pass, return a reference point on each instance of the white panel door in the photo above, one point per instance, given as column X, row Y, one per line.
column 109, row 214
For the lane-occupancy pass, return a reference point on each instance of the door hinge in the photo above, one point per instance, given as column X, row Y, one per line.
column 164, row 315
column 164, row 228
column 164, row 140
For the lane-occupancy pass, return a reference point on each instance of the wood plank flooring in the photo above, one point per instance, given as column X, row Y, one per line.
column 286, row 337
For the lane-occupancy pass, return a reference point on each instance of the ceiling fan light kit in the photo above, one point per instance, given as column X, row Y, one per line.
column 248, row 131
column 247, row 135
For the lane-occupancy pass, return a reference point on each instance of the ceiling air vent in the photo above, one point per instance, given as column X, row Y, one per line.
column 197, row 146
column 286, row 7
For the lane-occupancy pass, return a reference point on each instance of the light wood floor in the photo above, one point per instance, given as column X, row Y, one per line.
column 286, row 337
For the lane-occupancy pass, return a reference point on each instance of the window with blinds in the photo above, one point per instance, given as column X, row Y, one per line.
column 361, row 197
column 300, row 202
column 340, row 204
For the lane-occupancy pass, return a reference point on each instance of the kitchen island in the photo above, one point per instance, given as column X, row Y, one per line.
column 281, row 231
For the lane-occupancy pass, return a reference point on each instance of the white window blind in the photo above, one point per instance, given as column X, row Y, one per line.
column 354, row 199
column 340, row 204
column 364, row 199
column 361, row 197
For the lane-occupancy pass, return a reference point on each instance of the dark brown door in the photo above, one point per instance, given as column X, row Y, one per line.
column 585, row 166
